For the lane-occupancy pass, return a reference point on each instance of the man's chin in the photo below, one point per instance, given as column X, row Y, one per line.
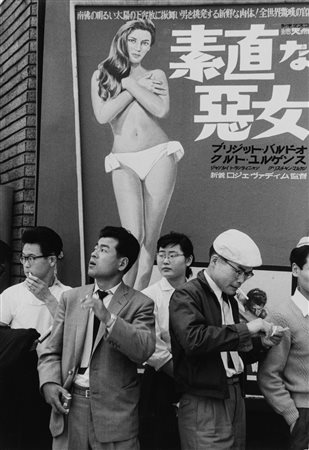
column 91, row 272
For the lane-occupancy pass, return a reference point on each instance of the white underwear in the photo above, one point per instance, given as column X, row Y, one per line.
column 142, row 162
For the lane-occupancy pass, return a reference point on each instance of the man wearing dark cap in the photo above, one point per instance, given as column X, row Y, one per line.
column 210, row 347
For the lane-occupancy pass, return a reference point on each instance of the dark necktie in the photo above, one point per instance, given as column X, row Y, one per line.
column 96, row 321
column 226, row 307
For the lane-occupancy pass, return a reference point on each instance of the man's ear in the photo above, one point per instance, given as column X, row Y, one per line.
column 123, row 263
column 189, row 260
column 52, row 260
column 214, row 258
column 295, row 270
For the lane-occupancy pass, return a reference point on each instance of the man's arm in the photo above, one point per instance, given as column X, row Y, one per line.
column 199, row 335
column 49, row 364
column 271, row 382
column 135, row 339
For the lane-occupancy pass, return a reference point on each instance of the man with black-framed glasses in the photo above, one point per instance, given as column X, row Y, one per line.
column 210, row 347
column 33, row 303
column 30, row 305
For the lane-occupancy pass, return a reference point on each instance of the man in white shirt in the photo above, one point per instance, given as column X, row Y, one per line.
column 283, row 376
column 32, row 304
column 158, row 428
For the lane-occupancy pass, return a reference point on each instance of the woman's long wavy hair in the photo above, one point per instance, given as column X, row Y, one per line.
column 117, row 65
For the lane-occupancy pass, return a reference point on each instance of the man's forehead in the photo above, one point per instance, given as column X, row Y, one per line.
column 107, row 242
column 171, row 247
column 31, row 248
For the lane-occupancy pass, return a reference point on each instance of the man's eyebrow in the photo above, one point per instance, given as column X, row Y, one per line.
column 103, row 245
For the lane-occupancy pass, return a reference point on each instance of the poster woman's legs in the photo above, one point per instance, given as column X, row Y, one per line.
column 129, row 197
column 157, row 191
column 142, row 206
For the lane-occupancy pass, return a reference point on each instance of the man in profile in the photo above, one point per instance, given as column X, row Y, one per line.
column 26, row 311
column 283, row 376
column 101, row 333
column 210, row 347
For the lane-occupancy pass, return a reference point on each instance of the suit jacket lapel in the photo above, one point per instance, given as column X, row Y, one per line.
column 118, row 301
column 82, row 322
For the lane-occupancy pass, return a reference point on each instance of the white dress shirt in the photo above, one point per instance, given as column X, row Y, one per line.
column 301, row 302
column 83, row 379
column 161, row 293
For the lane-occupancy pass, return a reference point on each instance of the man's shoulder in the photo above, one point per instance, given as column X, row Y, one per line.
column 155, row 289
column 13, row 290
column 136, row 296
column 282, row 311
column 77, row 292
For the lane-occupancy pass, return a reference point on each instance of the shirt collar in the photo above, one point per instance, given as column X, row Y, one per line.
column 111, row 290
column 165, row 285
column 213, row 286
column 301, row 302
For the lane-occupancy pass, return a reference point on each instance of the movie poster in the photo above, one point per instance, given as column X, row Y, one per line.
column 220, row 138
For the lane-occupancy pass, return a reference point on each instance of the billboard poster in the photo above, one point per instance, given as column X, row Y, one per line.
column 193, row 119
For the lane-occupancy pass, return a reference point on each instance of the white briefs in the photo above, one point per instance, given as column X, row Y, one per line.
column 142, row 162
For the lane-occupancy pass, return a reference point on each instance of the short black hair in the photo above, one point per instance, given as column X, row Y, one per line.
column 5, row 252
column 185, row 243
column 49, row 241
column 127, row 245
column 299, row 255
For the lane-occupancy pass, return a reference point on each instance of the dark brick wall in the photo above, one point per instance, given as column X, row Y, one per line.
column 18, row 84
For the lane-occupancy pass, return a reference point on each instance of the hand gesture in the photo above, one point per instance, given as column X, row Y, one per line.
column 38, row 288
column 52, row 393
column 275, row 337
column 97, row 306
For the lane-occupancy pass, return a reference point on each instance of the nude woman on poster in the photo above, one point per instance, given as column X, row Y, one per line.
column 143, row 161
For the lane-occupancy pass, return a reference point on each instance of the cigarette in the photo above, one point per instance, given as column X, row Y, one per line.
column 241, row 292
column 274, row 330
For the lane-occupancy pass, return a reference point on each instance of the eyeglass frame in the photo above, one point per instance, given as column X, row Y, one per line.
column 239, row 271
column 31, row 258
column 169, row 256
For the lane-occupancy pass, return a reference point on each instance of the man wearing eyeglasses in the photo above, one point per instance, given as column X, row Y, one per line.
column 158, row 428
column 30, row 305
column 33, row 303
column 210, row 347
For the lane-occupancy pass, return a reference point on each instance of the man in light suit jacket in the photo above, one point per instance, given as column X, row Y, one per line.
column 99, row 371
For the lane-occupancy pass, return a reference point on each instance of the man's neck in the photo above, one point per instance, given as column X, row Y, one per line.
column 176, row 282
column 105, row 284
column 303, row 292
column 49, row 279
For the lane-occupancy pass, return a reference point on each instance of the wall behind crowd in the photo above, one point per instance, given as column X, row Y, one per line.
column 18, row 123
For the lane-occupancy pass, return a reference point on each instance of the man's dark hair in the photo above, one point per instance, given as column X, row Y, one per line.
column 5, row 252
column 49, row 241
column 127, row 245
column 174, row 238
column 299, row 255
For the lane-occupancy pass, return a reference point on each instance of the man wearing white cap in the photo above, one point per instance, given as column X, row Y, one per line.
column 284, row 375
column 206, row 337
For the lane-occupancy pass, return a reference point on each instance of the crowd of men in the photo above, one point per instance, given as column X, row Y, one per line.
column 71, row 358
